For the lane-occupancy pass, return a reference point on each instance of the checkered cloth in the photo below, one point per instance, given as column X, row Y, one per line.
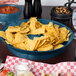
column 37, row 67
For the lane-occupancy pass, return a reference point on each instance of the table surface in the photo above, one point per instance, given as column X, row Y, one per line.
column 67, row 55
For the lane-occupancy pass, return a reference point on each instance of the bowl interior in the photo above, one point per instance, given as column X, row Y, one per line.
column 11, row 5
column 44, row 21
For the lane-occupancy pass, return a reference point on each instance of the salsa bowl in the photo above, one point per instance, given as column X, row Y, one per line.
column 5, row 16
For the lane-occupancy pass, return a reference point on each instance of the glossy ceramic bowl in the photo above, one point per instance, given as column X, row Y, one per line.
column 10, row 17
column 36, row 55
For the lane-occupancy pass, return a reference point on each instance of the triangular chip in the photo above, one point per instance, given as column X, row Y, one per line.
column 58, row 46
column 3, row 34
column 13, row 29
column 31, row 45
column 9, row 37
column 19, row 38
column 33, row 23
column 56, row 28
column 38, row 31
column 20, row 46
column 45, row 47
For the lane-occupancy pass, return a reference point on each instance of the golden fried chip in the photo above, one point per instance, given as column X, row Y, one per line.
column 63, row 34
column 19, row 38
column 58, row 46
column 13, row 29
column 38, row 25
column 63, row 29
column 25, row 35
column 45, row 47
column 8, row 42
column 43, row 42
column 3, row 34
column 27, row 30
column 42, row 38
column 33, row 23
column 31, row 45
column 45, row 27
column 20, row 46
column 9, row 37
column 46, row 34
column 38, row 31
column 68, row 31
column 61, row 40
column 67, row 38
column 36, row 44
column 69, row 35
column 51, row 31
column 52, row 40
column 56, row 28
column 23, row 24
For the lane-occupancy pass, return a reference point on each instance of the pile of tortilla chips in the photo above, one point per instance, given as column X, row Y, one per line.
column 52, row 38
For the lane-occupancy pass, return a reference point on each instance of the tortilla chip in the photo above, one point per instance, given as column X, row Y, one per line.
column 13, row 29
column 56, row 28
column 20, row 46
column 27, row 30
column 31, row 45
column 63, row 34
column 51, row 31
column 69, row 35
column 8, row 42
column 58, row 46
column 67, row 38
column 19, row 38
column 23, row 24
column 63, row 28
column 3, row 34
column 45, row 47
column 9, row 37
column 38, row 25
column 38, row 31
column 59, row 41
column 33, row 23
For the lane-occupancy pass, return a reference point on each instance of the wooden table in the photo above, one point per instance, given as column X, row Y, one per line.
column 67, row 55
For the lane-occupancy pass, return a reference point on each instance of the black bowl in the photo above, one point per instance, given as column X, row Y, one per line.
column 61, row 16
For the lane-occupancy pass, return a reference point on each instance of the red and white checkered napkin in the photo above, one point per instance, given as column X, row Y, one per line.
column 37, row 67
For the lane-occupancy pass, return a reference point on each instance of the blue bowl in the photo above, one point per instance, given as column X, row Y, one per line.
column 36, row 55
column 10, row 17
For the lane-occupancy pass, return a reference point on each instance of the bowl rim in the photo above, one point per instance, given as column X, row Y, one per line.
column 20, row 50
column 61, row 16
column 20, row 8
